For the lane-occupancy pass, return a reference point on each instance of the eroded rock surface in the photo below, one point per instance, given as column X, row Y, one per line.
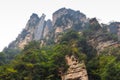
column 76, row 70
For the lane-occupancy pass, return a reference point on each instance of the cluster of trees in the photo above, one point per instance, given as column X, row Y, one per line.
column 48, row 63
column 106, row 66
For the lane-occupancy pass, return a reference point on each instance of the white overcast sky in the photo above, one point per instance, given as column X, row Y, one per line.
column 14, row 14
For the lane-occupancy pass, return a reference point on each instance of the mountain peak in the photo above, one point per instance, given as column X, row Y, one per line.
column 34, row 15
column 34, row 19
column 69, row 13
column 37, row 28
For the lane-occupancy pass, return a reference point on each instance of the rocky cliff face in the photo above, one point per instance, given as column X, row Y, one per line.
column 76, row 70
column 26, row 34
column 36, row 29
column 49, row 31
column 113, row 27
column 65, row 19
column 39, row 28
column 104, row 35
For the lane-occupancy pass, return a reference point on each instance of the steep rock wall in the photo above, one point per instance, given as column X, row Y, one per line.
column 76, row 70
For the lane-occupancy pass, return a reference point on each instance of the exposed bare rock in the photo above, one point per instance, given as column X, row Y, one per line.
column 113, row 27
column 59, row 30
column 47, row 29
column 58, row 14
column 76, row 70
column 38, row 32
column 65, row 19
column 25, row 41
column 100, row 41
column 33, row 31
column 33, row 21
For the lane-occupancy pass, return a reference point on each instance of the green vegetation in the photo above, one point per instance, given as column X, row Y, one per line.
column 48, row 63
column 2, row 58
column 104, row 67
